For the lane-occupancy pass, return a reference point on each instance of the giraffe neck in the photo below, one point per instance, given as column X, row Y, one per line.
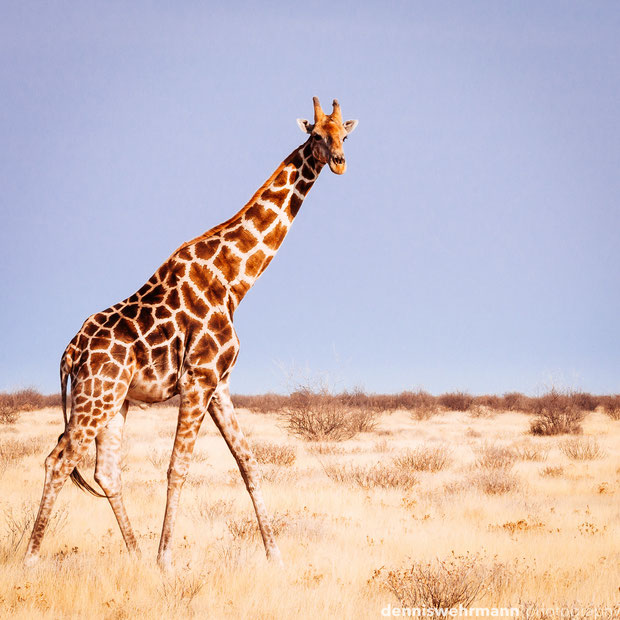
column 243, row 246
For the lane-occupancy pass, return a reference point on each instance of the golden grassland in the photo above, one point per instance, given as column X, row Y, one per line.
column 536, row 517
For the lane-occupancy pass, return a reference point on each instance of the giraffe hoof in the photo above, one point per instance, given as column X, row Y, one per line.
column 31, row 560
column 275, row 558
column 164, row 561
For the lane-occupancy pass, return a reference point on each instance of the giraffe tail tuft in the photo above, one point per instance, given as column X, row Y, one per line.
column 65, row 368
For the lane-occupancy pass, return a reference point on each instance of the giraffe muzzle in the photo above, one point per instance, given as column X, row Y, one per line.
column 337, row 164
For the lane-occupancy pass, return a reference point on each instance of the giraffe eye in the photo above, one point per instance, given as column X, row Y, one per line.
column 345, row 138
column 316, row 136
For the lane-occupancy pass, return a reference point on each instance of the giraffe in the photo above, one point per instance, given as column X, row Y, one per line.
column 176, row 336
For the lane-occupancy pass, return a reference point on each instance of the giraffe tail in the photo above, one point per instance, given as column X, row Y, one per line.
column 65, row 368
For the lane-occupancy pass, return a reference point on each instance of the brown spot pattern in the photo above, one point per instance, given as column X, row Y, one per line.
column 277, row 197
column 261, row 218
column 276, row 236
column 255, row 263
column 228, row 263
column 243, row 239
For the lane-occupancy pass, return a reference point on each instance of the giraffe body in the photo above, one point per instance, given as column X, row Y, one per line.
column 176, row 336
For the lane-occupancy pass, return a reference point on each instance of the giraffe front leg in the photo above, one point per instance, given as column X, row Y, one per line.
column 223, row 413
column 108, row 473
column 195, row 398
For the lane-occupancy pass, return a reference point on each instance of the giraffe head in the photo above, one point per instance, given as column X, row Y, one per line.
column 327, row 134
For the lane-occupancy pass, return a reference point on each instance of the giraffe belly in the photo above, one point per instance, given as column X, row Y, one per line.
column 147, row 387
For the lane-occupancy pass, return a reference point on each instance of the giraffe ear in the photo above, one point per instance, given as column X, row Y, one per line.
column 350, row 125
column 304, row 125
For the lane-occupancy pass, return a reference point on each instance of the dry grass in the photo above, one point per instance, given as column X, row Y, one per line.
column 495, row 481
column 529, row 451
column 582, row 449
column 371, row 476
column 424, row 458
column 492, row 456
column 270, row 453
column 158, row 458
column 518, row 530
column 552, row 472
column 441, row 583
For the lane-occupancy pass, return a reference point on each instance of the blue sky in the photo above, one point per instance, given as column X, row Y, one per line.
column 472, row 244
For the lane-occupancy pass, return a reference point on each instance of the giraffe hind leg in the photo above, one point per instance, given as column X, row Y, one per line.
column 195, row 397
column 109, row 442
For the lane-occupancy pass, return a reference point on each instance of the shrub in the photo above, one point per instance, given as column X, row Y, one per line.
column 489, row 401
column 371, row 476
column 319, row 416
column 273, row 453
column 421, row 404
column 582, row 449
column 424, row 458
column 29, row 399
column 515, row 401
column 495, row 481
column 611, row 406
column 326, row 448
column 556, row 414
column 494, row 457
column 531, row 452
column 263, row 403
column 445, row 584
column 12, row 451
column 8, row 415
column 551, row 472
column 584, row 401
column 456, row 401
column 481, row 411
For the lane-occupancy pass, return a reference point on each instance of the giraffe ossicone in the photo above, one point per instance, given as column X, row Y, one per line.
column 176, row 336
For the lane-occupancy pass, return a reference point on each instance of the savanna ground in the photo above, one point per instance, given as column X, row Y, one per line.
column 434, row 507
